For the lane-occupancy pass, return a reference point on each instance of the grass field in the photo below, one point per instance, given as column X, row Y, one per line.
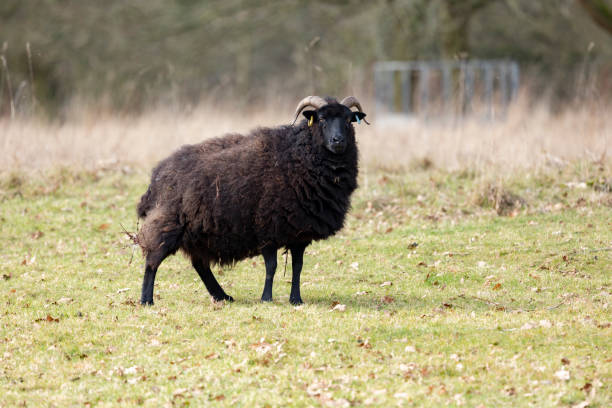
column 445, row 288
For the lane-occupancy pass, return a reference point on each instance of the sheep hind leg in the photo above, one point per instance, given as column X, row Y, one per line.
column 152, row 262
column 269, row 255
column 297, row 257
column 215, row 290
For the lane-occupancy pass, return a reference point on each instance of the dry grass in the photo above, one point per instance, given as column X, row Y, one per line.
column 527, row 138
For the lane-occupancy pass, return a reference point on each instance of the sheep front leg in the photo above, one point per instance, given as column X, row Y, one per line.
column 297, row 257
column 269, row 255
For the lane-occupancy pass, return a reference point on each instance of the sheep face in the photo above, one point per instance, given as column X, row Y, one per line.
column 334, row 122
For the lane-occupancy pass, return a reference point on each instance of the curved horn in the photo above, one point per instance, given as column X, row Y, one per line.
column 351, row 101
column 314, row 101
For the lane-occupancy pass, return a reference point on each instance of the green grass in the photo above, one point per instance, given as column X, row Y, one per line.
column 446, row 303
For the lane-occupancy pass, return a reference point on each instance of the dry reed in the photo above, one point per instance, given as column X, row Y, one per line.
column 528, row 137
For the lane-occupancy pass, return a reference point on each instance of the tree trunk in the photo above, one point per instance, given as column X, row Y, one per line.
column 600, row 12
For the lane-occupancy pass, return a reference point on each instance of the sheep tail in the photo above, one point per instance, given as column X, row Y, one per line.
column 146, row 203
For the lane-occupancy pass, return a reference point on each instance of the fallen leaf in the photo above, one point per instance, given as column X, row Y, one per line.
column 131, row 370
column 65, row 300
column 179, row 392
column 387, row 283
column 261, row 347
column 103, row 227
column 364, row 343
column 387, row 299
column 497, row 286
column 565, row 361
column 413, row 245
column 562, row 375
column 219, row 397
column 511, row 391
column 339, row 308
column 49, row 319
column 211, row 356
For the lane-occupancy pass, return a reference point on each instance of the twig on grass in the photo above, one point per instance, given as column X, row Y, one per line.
column 134, row 238
column 504, row 308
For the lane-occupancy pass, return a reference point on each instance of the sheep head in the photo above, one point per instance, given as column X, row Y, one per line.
column 333, row 119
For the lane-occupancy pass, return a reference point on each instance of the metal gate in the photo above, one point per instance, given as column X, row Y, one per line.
column 445, row 88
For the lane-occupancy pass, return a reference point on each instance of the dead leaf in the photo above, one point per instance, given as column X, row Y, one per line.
column 179, row 393
column 562, row 375
column 387, row 299
column 49, row 319
column 364, row 343
column 211, row 356
column 497, row 286
column 65, row 300
column 339, row 308
column 219, row 397
column 103, row 227
column 565, row 361
column 261, row 347
column 7, row 276
column 387, row 283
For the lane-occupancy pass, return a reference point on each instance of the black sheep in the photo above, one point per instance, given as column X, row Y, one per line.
column 236, row 196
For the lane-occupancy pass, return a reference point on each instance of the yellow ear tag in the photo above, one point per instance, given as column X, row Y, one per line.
column 310, row 121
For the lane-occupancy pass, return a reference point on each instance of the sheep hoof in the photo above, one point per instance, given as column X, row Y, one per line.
column 266, row 299
column 223, row 297
column 146, row 302
column 296, row 302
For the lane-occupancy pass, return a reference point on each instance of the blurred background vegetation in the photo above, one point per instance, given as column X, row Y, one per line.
column 128, row 56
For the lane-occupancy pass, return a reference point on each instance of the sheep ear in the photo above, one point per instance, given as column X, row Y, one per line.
column 310, row 115
column 357, row 116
